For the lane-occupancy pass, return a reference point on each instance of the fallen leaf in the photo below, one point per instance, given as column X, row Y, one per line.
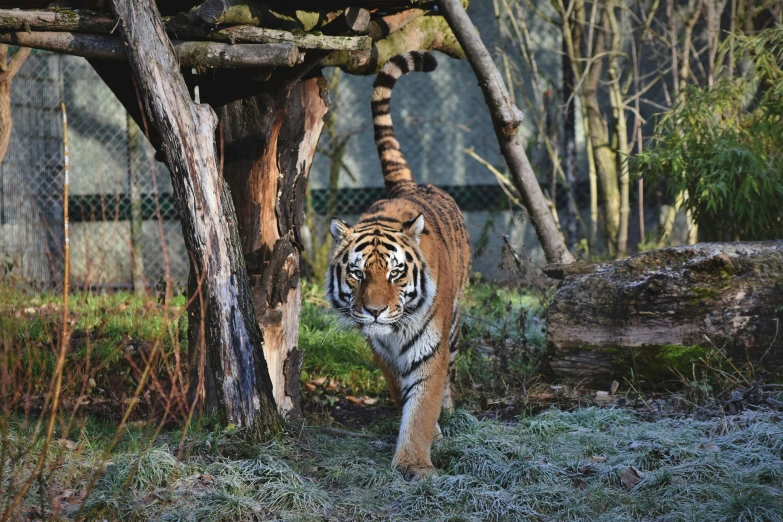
column 319, row 381
column 636, row 445
column 352, row 399
column 580, row 484
column 710, row 446
column 67, row 444
column 630, row 477
column 369, row 401
column 595, row 458
column 310, row 386
column 602, row 396
column 613, row 387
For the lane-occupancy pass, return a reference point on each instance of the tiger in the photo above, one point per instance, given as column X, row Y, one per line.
column 398, row 274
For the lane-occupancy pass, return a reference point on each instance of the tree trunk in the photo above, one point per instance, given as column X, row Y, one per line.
column 569, row 127
column 8, row 70
column 650, row 307
column 231, row 335
column 269, row 133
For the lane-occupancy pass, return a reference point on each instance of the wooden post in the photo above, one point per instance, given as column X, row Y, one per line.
column 134, row 190
column 232, row 338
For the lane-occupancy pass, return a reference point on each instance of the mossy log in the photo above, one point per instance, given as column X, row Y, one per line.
column 424, row 33
column 659, row 306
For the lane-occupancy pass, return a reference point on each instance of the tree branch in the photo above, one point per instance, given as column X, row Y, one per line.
column 425, row 33
column 506, row 119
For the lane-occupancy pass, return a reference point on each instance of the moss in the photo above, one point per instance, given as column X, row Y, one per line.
column 704, row 293
column 655, row 363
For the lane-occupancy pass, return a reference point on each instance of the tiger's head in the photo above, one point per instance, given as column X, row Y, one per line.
column 378, row 278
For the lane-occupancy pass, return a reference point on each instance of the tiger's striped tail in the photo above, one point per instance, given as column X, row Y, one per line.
column 395, row 168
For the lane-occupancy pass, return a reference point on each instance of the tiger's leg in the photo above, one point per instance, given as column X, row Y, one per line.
column 391, row 381
column 448, row 403
column 422, row 395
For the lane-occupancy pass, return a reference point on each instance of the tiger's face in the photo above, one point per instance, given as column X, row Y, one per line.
column 378, row 277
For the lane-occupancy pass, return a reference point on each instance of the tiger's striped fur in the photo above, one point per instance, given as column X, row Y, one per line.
column 399, row 274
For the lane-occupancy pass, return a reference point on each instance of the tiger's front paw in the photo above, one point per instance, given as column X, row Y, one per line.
column 413, row 473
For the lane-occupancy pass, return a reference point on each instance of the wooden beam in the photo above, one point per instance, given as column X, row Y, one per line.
column 249, row 33
column 189, row 54
column 76, row 22
column 232, row 339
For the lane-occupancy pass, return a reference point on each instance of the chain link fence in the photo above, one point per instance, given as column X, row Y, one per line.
column 124, row 223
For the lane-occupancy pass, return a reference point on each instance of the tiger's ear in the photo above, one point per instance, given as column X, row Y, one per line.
column 339, row 228
column 415, row 227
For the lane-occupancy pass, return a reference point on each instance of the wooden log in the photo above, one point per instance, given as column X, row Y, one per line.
column 76, row 22
column 231, row 334
column 726, row 296
column 249, row 33
column 189, row 54
column 270, row 132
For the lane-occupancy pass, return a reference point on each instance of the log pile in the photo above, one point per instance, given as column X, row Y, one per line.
column 236, row 34
column 716, row 296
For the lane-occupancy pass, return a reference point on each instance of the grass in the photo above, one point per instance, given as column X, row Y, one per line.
column 590, row 463
column 502, row 336
column 106, row 329
column 553, row 466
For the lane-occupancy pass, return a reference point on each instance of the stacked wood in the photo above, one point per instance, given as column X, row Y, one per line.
column 351, row 37
column 717, row 296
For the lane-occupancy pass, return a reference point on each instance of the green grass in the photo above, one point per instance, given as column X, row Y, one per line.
column 335, row 352
column 553, row 466
column 490, row 312
column 104, row 328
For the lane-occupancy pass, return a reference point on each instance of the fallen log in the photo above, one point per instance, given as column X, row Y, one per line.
column 668, row 306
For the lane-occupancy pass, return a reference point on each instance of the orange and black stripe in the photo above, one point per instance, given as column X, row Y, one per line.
column 395, row 168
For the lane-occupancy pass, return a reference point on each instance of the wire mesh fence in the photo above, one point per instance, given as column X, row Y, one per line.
column 124, row 222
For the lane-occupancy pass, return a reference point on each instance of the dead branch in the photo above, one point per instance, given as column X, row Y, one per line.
column 506, row 118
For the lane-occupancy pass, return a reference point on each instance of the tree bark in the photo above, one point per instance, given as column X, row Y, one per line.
column 506, row 119
column 232, row 338
column 8, row 70
column 726, row 296
column 270, row 132
column 569, row 127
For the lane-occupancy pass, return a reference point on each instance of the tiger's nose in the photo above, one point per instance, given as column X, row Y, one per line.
column 375, row 312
